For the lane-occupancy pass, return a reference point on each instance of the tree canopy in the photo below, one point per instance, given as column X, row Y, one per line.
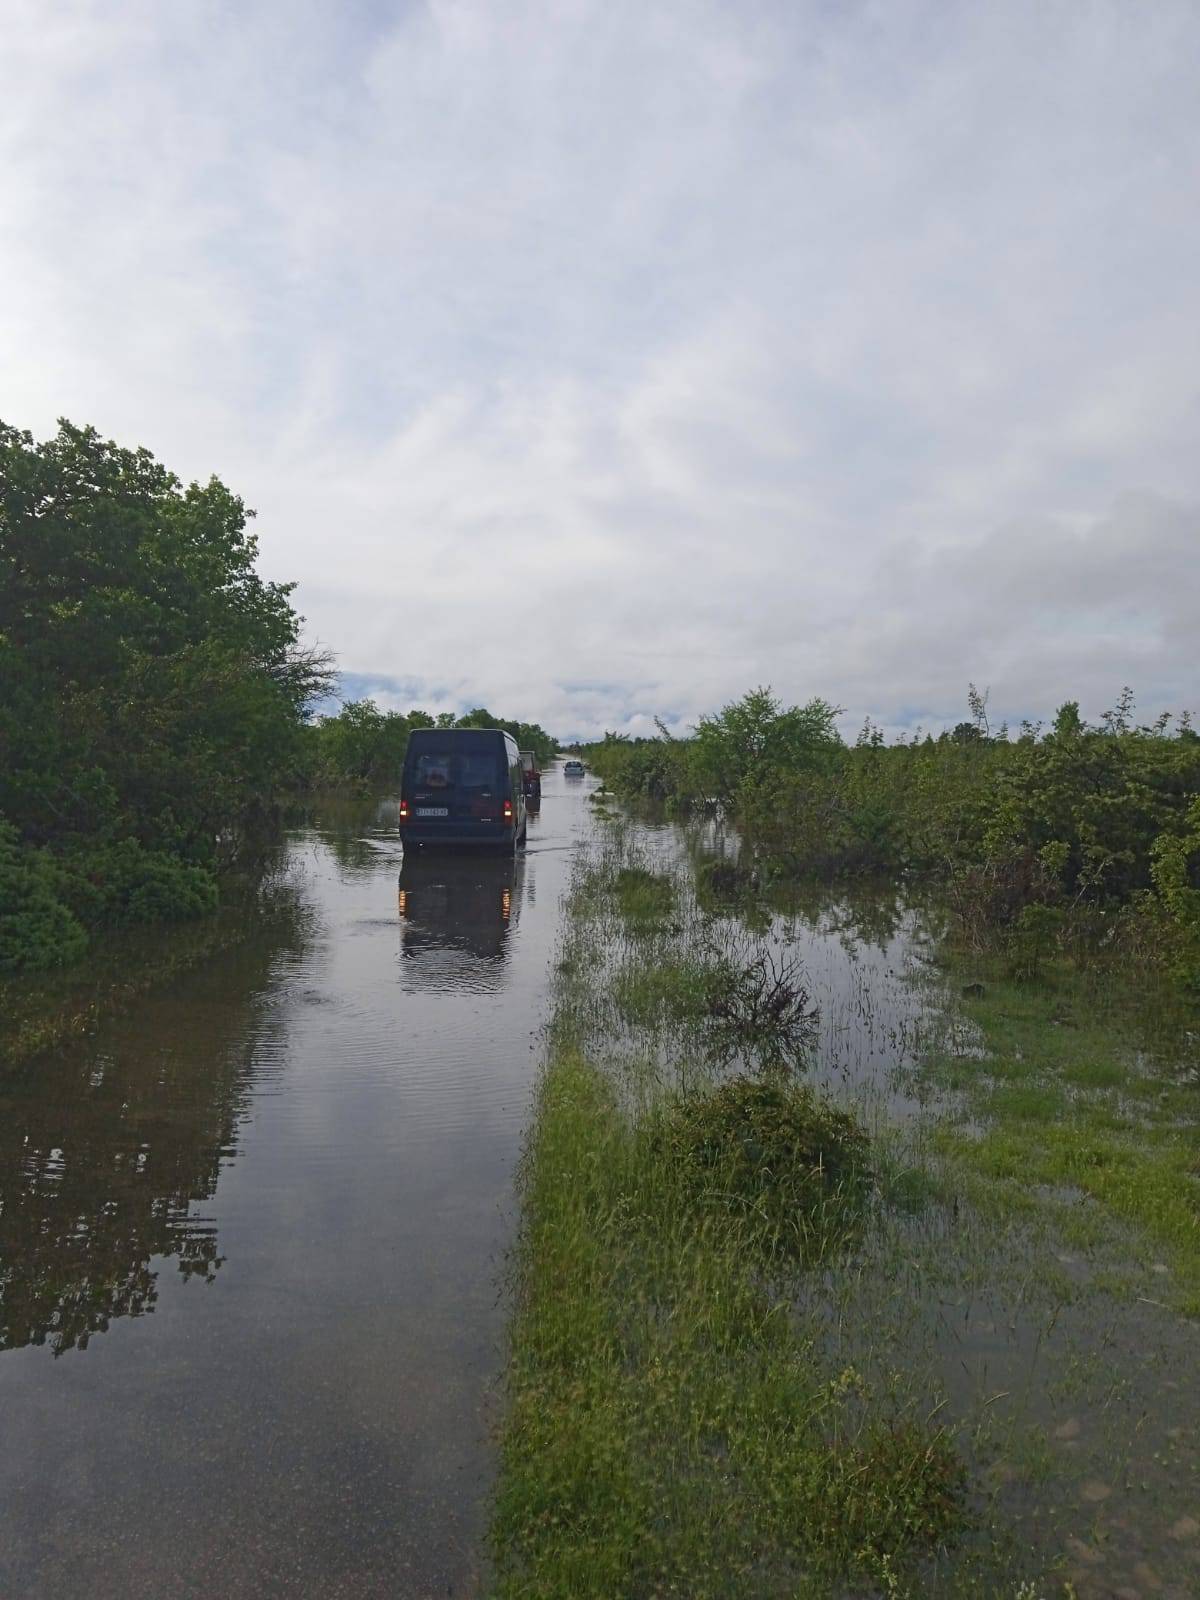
column 153, row 688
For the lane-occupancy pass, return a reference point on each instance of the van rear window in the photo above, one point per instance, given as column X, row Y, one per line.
column 456, row 769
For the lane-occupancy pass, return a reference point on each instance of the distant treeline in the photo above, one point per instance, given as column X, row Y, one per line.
column 363, row 747
column 1068, row 836
column 154, row 696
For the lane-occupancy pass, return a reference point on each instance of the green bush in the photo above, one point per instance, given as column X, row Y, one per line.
column 50, row 904
column 644, row 898
column 775, row 1157
column 37, row 930
column 123, row 883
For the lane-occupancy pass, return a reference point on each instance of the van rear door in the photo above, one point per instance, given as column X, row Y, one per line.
column 457, row 783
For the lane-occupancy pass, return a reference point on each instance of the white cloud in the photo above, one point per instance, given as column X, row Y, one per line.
column 594, row 360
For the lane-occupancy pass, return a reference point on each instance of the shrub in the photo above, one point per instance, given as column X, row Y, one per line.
column 124, row 883
column 36, row 929
column 761, row 1007
column 908, row 1485
column 725, row 878
column 779, row 1159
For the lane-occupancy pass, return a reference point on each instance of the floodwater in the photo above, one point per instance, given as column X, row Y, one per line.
column 252, row 1238
column 252, row 1241
column 1041, row 1342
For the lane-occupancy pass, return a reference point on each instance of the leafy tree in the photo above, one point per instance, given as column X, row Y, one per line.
column 754, row 739
column 153, row 687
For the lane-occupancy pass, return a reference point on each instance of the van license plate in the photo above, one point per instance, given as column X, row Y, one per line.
column 431, row 811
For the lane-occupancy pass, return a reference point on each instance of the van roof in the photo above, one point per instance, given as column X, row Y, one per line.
column 458, row 733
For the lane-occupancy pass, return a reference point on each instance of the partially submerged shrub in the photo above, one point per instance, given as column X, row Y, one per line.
column 725, row 878
column 124, row 883
column 48, row 902
column 37, row 930
column 908, row 1487
column 777, row 1157
column 756, row 1007
column 760, row 1006
column 646, row 899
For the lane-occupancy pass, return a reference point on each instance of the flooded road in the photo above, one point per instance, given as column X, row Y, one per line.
column 252, row 1238
column 252, row 1242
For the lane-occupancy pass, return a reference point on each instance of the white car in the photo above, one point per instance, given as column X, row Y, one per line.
column 573, row 769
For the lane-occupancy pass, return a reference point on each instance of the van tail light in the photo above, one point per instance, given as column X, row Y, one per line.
column 508, row 811
column 404, row 811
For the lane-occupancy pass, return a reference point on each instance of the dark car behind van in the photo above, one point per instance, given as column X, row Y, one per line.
column 462, row 786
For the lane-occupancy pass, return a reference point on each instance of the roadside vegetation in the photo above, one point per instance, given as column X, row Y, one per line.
column 152, row 694
column 1082, row 1107
column 1071, row 841
column 673, row 1427
column 844, row 1272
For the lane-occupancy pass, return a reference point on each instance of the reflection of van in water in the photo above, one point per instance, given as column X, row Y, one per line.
column 462, row 786
column 457, row 903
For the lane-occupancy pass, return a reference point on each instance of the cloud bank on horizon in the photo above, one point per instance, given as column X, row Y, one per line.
column 594, row 361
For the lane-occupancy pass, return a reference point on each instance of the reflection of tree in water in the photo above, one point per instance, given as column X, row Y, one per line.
column 358, row 832
column 105, row 1148
column 857, row 911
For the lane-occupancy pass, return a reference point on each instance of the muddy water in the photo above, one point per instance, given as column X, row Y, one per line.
column 251, row 1239
column 252, row 1235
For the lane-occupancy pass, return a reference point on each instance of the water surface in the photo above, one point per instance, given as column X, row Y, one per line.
column 251, row 1238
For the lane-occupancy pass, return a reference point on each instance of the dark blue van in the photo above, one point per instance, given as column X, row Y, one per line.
column 462, row 786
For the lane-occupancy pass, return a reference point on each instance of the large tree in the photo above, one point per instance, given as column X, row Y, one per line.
column 152, row 684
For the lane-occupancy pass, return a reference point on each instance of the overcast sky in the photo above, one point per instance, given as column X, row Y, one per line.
column 595, row 359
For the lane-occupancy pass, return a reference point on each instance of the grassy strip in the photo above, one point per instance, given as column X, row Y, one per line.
column 1060, row 1112
column 673, row 1429
column 670, row 1431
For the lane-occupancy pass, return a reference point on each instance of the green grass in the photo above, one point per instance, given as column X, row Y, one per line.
column 670, row 989
column 674, row 1426
column 1065, row 1106
column 732, row 1377
column 645, row 899
column 670, row 1429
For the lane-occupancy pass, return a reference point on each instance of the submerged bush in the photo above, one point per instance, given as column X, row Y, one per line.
column 37, row 930
column 782, row 1160
column 725, row 878
column 123, row 883
column 645, row 899
column 756, row 1007
column 759, row 1006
